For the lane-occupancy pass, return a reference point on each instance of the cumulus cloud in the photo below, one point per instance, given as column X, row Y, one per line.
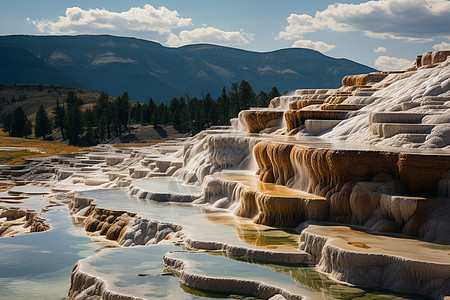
column 147, row 18
column 380, row 50
column 319, row 45
column 414, row 20
column 209, row 35
column 387, row 63
column 442, row 46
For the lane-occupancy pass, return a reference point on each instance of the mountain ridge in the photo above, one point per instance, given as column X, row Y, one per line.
column 147, row 69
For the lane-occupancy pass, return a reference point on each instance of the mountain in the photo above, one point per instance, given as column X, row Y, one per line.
column 18, row 65
column 147, row 69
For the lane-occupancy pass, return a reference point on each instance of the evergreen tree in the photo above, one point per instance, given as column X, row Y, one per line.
column 18, row 122
column 90, row 121
column 177, row 109
column 28, row 129
column 42, row 126
column 224, row 104
column 152, row 110
column 73, row 122
column 207, row 110
column 7, row 120
column 234, row 100
column 123, row 111
column 246, row 94
column 274, row 93
column 103, row 109
column 262, row 99
column 59, row 114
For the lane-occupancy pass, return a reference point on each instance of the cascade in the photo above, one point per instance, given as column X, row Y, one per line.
column 351, row 171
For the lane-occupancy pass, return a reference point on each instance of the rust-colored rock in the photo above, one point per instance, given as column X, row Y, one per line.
column 258, row 120
column 248, row 207
column 363, row 79
column 107, row 222
column 352, row 181
column 432, row 58
column 420, row 174
column 289, row 212
column 341, row 106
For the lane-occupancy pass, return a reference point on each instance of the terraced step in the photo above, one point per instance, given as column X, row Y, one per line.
column 413, row 137
column 312, row 91
column 388, row 130
column 364, row 259
column 258, row 120
column 273, row 204
column 342, row 106
column 17, row 173
column 299, row 104
column 296, row 118
column 92, row 161
column 396, row 117
column 319, row 126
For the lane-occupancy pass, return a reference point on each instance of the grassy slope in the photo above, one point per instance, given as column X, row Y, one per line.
column 46, row 148
column 31, row 96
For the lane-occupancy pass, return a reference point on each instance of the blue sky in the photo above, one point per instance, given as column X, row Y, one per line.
column 385, row 34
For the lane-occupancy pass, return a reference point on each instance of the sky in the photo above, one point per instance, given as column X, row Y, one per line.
column 384, row 34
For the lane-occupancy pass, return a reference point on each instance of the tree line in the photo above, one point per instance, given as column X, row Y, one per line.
column 109, row 118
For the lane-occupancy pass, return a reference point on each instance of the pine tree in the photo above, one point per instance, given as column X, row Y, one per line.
column 103, row 109
column 73, row 122
column 18, row 122
column 59, row 114
column 274, row 93
column 234, row 100
column 28, row 129
column 224, row 102
column 42, row 126
column 7, row 126
column 246, row 94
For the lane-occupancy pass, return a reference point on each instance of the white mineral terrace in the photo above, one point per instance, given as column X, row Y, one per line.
column 327, row 194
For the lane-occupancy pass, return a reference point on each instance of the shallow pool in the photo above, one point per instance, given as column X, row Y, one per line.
column 38, row 265
column 167, row 185
column 201, row 223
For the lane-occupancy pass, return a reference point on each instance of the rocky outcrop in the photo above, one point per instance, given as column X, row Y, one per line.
column 329, row 169
column 355, row 184
column 431, row 58
column 363, row 79
column 109, row 223
column 15, row 221
column 126, row 228
column 262, row 120
column 142, row 231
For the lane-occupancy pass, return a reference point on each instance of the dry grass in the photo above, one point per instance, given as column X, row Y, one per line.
column 46, row 148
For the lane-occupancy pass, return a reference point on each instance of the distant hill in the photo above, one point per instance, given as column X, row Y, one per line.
column 31, row 96
column 18, row 65
column 147, row 69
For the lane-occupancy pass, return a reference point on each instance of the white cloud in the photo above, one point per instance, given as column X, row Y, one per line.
column 380, row 50
column 209, row 35
column 319, row 45
column 387, row 63
column 442, row 46
column 414, row 20
column 147, row 18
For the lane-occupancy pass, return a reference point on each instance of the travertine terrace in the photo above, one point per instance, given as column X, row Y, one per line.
column 362, row 173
